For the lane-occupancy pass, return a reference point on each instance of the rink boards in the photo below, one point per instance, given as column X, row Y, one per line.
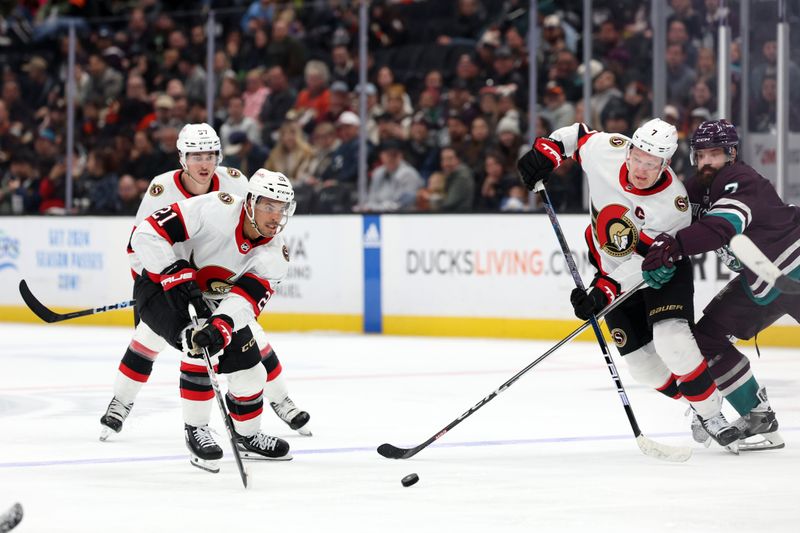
column 445, row 275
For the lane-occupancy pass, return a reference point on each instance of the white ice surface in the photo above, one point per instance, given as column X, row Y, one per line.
column 552, row 453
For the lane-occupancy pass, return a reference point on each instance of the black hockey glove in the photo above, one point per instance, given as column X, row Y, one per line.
column 215, row 335
column 586, row 304
column 664, row 251
column 536, row 165
column 180, row 288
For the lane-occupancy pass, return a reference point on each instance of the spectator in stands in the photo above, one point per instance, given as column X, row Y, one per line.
column 430, row 198
column 680, row 77
column 565, row 72
column 105, row 83
column 467, row 72
column 637, row 102
column 394, row 183
column 286, row 51
column 39, row 87
column 706, row 66
column 16, row 184
column 604, row 91
column 487, row 106
column 396, row 98
column 386, row 27
column 702, row 95
column 128, row 197
column 343, row 69
column 767, row 66
column 457, row 136
column 314, row 100
column 192, row 75
column 291, row 154
column 99, row 183
column 338, row 103
column 135, row 105
column 496, row 182
column 677, row 33
column 479, row 143
column 237, row 121
column 469, row 21
column 254, row 50
column 323, row 144
column 420, row 149
column 504, row 72
column 279, row 101
column 459, row 186
column 255, row 92
column 18, row 111
column 145, row 162
column 259, row 14
column 510, row 144
column 558, row 110
column 615, row 119
column 683, row 11
column 241, row 154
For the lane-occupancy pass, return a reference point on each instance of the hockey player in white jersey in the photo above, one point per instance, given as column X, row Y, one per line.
column 635, row 197
column 226, row 251
column 200, row 155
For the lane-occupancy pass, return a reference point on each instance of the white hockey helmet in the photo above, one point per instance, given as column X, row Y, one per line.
column 275, row 186
column 656, row 137
column 198, row 138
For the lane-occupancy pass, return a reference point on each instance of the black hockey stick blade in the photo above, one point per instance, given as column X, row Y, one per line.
column 393, row 452
column 754, row 259
column 49, row 316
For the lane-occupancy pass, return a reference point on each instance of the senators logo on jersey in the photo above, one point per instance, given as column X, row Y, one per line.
column 225, row 198
column 615, row 232
column 214, row 279
column 682, row 203
column 156, row 189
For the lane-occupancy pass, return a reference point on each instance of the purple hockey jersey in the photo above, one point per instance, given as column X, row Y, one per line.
column 740, row 200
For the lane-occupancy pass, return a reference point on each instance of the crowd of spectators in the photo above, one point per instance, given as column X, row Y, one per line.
column 447, row 111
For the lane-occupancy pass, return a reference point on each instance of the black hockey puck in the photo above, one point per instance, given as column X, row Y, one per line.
column 409, row 480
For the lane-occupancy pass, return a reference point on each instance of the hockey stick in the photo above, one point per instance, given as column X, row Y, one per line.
column 648, row 446
column 393, row 452
column 754, row 259
column 222, row 409
column 50, row 316
column 11, row 518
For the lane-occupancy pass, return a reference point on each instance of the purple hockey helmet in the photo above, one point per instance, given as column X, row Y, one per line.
column 713, row 134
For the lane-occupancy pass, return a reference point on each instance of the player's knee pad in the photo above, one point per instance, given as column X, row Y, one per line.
column 674, row 342
column 646, row 367
column 243, row 383
column 147, row 339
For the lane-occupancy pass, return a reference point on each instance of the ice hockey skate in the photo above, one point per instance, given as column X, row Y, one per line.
column 261, row 446
column 112, row 421
column 725, row 434
column 205, row 452
column 699, row 434
column 294, row 417
column 11, row 518
column 759, row 427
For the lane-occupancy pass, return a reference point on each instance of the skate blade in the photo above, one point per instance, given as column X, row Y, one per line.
column 106, row 432
column 304, row 432
column 204, row 464
column 733, row 447
column 252, row 456
column 762, row 441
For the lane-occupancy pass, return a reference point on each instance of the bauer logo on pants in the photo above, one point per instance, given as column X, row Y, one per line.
column 620, row 339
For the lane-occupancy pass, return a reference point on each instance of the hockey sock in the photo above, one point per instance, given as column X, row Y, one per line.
column 196, row 394
column 275, row 387
column 670, row 388
column 744, row 397
column 699, row 388
column 134, row 371
column 246, row 412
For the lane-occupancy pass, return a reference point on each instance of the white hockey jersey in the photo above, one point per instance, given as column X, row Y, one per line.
column 625, row 220
column 166, row 189
column 208, row 231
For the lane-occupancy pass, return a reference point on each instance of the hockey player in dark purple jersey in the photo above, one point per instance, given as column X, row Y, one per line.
column 728, row 197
